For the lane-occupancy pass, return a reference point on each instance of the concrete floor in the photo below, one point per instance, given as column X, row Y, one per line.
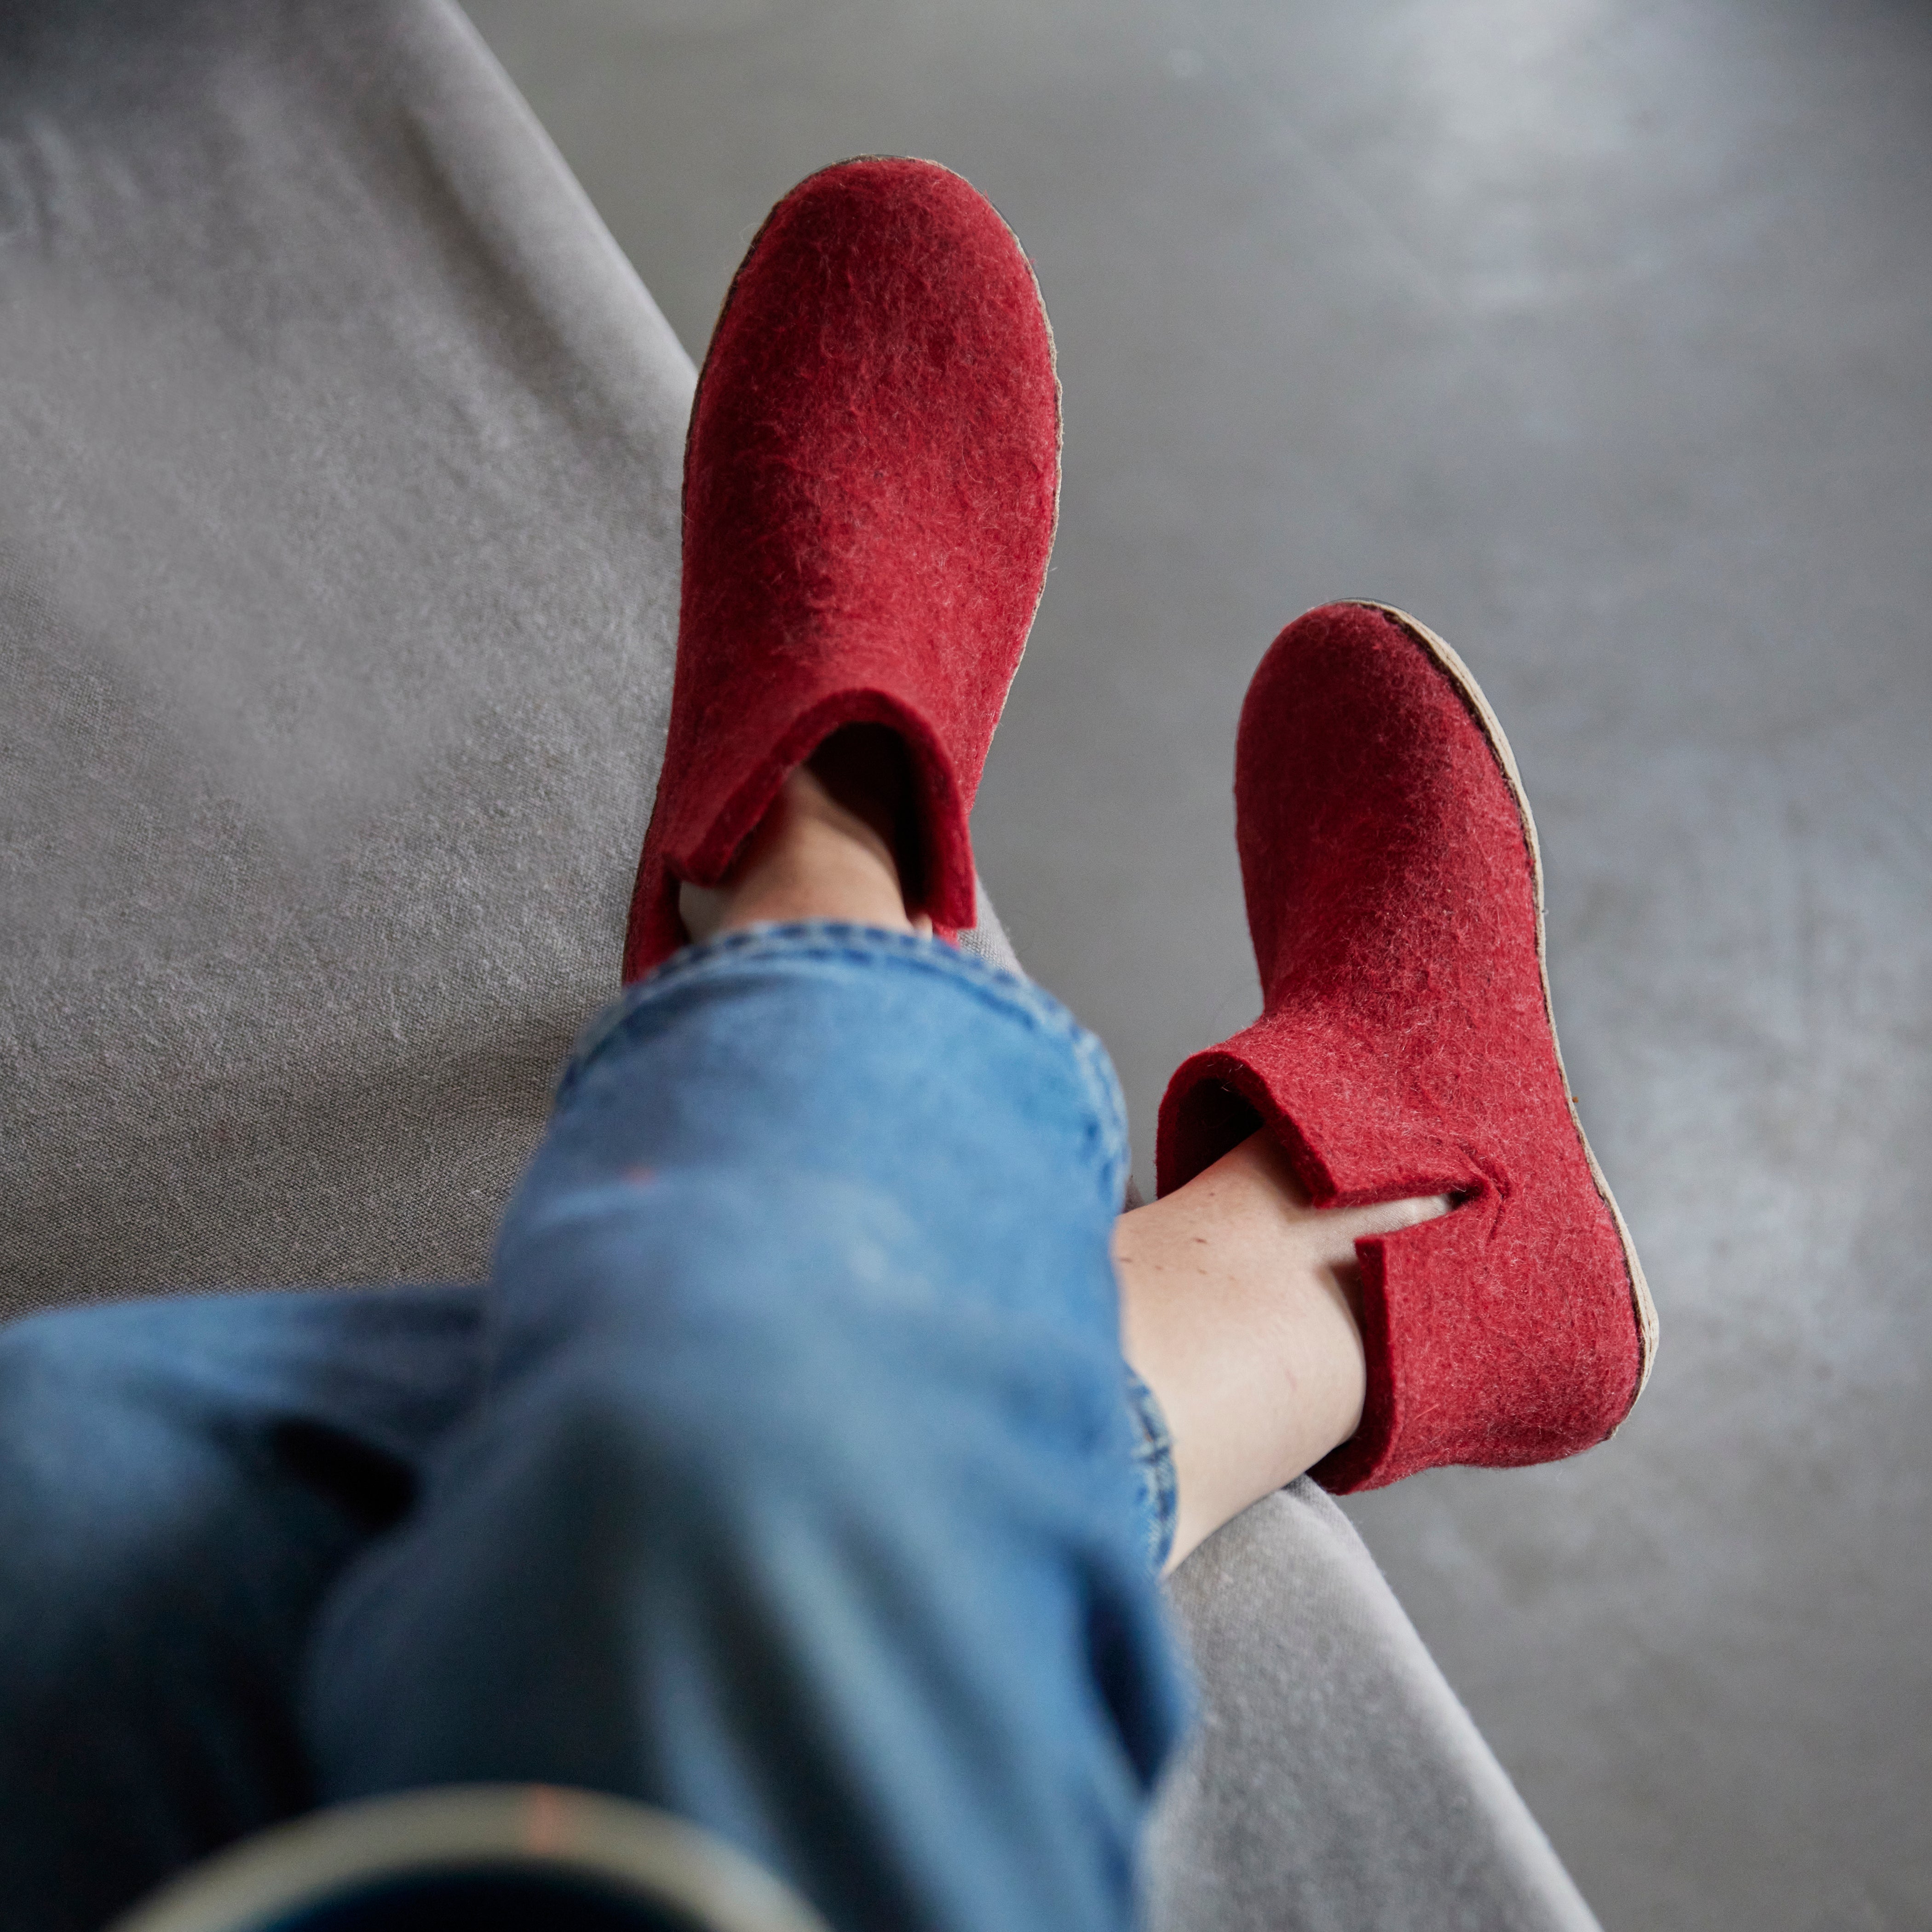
column 1600, row 336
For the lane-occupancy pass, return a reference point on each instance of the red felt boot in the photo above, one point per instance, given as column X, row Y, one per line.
column 870, row 487
column 1406, row 1047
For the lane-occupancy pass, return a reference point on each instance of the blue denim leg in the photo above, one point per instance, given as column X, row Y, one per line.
column 802, row 1498
column 181, row 1482
column 1154, row 1466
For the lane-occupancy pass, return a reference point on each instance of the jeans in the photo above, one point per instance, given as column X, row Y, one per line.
column 781, row 1476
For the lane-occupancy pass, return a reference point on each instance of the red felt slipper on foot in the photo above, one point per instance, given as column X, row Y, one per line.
column 871, row 483
column 1406, row 1047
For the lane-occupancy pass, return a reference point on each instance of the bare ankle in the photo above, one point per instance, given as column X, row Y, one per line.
column 828, row 847
column 1239, row 1308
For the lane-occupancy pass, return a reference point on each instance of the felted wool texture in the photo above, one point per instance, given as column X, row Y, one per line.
column 1334, row 1782
column 338, row 579
column 1405, row 1049
column 338, row 560
column 870, row 489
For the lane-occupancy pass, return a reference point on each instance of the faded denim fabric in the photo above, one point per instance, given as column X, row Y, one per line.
column 781, row 1476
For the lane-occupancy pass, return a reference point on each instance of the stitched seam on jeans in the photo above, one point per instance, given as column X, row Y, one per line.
column 812, row 940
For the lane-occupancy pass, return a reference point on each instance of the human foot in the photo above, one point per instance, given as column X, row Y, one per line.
column 1406, row 1049
column 1238, row 1308
column 871, row 484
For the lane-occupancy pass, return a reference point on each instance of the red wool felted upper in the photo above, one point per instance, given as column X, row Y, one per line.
column 1406, row 1047
column 870, row 487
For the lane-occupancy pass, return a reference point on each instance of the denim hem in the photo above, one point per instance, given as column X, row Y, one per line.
column 878, row 949
column 1153, row 1463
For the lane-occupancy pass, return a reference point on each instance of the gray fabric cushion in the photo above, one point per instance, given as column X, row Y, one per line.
column 1335, row 1782
column 337, row 576
column 338, row 565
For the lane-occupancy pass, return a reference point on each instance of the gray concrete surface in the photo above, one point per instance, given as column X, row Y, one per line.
column 1600, row 336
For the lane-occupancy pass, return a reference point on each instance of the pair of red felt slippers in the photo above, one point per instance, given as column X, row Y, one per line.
column 870, row 487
